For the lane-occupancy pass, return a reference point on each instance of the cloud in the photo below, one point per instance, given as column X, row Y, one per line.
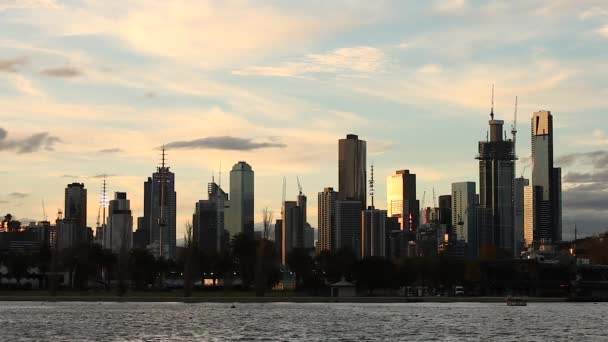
column 27, row 4
column 3, row 202
column 598, row 159
column 357, row 60
column 593, row 12
column 61, row 72
column 69, row 176
column 30, row 144
column 18, row 195
column 12, row 64
column 110, row 150
column 223, row 143
column 430, row 69
column 450, row 6
column 603, row 31
column 102, row 175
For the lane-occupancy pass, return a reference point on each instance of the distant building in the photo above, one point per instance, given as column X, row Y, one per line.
column 496, row 175
column 162, row 241
column 464, row 215
column 119, row 230
column 534, row 206
column 549, row 220
column 278, row 238
column 293, row 226
column 401, row 199
column 352, row 164
column 208, row 220
column 518, row 203
column 69, row 233
column 445, row 209
column 373, row 233
column 309, row 236
column 241, row 211
column 348, row 226
column 327, row 219
column 76, row 204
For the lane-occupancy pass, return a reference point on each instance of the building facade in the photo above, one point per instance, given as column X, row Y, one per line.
column 159, row 192
column 496, row 177
column 352, row 164
column 327, row 219
column 76, row 204
column 373, row 233
column 545, row 175
column 518, row 207
column 241, row 218
column 348, row 226
column 401, row 200
column 118, row 232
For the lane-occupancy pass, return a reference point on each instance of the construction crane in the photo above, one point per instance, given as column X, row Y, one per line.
column 44, row 211
column 299, row 185
column 283, row 196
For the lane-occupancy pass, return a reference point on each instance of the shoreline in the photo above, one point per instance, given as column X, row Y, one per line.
column 295, row 299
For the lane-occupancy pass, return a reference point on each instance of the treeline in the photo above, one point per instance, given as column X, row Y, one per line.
column 254, row 265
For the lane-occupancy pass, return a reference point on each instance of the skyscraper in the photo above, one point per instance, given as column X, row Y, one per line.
column 118, row 232
column 518, row 203
column 464, row 215
column 549, row 222
column 496, row 174
column 373, row 233
column 327, row 219
column 208, row 220
column 532, row 199
column 291, row 229
column 352, row 165
column 161, row 188
column 401, row 199
column 348, row 226
column 241, row 199
column 76, row 204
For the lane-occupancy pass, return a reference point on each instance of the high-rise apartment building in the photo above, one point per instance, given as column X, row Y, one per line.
column 373, row 233
column 76, row 204
column 496, row 176
column 548, row 228
column 159, row 192
column 327, row 219
column 518, row 207
column 352, row 165
column 208, row 220
column 241, row 218
column 401, row 199
column 464, row 215
column 348, row 226
column 118, row 234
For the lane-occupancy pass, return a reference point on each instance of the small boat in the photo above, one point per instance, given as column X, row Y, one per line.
column 516, row 301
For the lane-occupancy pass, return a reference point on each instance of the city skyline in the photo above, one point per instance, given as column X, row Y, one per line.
column 107, row 99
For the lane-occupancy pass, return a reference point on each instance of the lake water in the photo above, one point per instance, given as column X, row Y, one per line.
column 36, row 321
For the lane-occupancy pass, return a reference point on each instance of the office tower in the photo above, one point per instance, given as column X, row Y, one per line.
column 533, row 198
column 208, row 220
column 69, row 233
column 352, row 170
column 160, row 193
column 373, row 233
column 327, row 219
column 291, row 229
column 445, row 210
column 278, row 238
column 401, row 199
column 118, row 233
column 496, row 174
column 76, row 204
column 348, row 226
column 549, row 223
column 464, row 215
column 309, row 236
column 141, row 236
column 518, row 207
column 241, row 199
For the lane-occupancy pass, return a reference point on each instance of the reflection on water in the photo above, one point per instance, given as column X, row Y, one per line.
column 302, row 322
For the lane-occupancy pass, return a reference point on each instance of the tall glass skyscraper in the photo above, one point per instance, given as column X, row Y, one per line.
column 76, row 204
column 401, row 199
column 162, row 236
column 352, row 166
column 548, row 228
column 496, row 175
column 241, row 199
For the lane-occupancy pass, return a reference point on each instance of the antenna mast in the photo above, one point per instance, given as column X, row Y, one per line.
column 163, row 182
column 44, row 210
column 492, row 108
column 514, row 133
column 372, row 184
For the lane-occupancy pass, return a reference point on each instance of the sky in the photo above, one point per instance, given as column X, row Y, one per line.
column 95, row 87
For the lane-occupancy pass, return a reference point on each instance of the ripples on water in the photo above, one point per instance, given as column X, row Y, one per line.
column 302, row 322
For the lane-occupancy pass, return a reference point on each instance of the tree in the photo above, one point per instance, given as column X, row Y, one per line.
column 375, row 272
column 300, row 262
column 142, row 267
column 18, row 265
column 189, row 260
column 244, row 253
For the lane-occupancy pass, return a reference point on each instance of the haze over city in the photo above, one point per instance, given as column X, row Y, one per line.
column 92, row 88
